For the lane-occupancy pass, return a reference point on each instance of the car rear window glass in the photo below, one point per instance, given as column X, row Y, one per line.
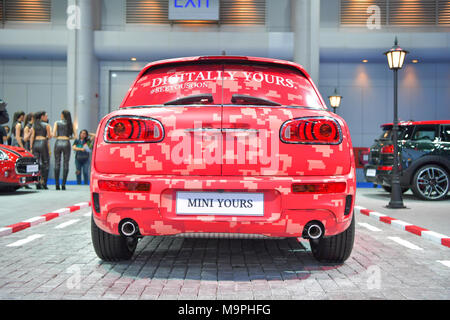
column 166, row 84
column 228, row 84
column 405, row 133
column 281, row 85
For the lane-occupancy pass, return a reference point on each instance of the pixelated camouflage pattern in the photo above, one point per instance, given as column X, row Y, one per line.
column 224, row 147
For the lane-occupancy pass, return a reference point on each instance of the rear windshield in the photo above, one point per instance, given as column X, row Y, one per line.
column 229, row 84
column 403, row 134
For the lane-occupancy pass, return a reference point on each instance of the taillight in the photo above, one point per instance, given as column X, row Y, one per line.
column 123, row 186
column 311, row 131
column 123, row 129
column 327, row 187
column 387, row 149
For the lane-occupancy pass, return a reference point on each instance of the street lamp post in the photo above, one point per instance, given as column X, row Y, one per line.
column 335, row 100
column 396, row 58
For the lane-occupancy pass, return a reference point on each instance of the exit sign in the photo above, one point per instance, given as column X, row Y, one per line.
column 194, row 10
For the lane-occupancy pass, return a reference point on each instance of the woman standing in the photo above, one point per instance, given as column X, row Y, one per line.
column 40, row 135
column 83, row 146
column 63, row 131
column 28, row 125
column 17, row 129
column 8, row 136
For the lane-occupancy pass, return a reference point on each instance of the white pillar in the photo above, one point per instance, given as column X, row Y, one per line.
column 81, row 64
column 71, row 57
column 306, row 29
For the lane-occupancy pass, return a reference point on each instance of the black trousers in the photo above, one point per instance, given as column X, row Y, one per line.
column 40, row 151
column 62, row 149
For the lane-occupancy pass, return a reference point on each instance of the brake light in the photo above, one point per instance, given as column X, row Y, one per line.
column 123, row 186
column 387, row 149
column 124, row 129
column 329, row 187
column 311, row 131
column 384, row 168
column 223, row 58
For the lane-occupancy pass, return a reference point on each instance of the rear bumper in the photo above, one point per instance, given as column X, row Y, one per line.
column 383, row 177
column 285, row 213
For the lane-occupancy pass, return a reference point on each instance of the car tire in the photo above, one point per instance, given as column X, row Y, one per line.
column 389, row 189
column 110, row 247
column 9, row 189
column 334, row 249
column 431, row 182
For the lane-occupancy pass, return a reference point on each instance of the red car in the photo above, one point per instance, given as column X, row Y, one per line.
column 18, row 167
column 223, row 147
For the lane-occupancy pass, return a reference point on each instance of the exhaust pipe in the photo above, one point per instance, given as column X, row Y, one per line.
column 129, row 228
column 313, row 230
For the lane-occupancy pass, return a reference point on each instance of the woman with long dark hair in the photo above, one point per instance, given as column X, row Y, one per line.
column 17, row 129
column 39, row 143
column 83, row 146
column 27, row 126
column 63, row 131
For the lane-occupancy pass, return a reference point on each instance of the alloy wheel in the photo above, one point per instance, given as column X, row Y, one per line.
column 432, row 182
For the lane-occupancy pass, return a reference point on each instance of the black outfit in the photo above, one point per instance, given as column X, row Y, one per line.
column 2, row 134
column 4, row 116
column 62, row 147
column 40, row 150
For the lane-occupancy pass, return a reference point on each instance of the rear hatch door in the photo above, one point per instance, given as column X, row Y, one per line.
column 187, row 101
column 258, row 100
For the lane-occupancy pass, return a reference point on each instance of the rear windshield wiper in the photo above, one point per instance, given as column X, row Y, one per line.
column 197, row 98
column 244, row 99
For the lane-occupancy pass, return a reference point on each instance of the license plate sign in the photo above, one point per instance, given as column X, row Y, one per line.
column 32, row 168
column 220, row 203
column 371, row 172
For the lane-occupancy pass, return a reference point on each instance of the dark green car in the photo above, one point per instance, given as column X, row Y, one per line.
column 424, row 157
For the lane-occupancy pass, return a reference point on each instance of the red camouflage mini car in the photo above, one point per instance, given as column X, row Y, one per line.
column 223, row 147
column 18, row 167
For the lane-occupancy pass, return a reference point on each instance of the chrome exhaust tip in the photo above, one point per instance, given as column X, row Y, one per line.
column 129, row 228
column 313, row 231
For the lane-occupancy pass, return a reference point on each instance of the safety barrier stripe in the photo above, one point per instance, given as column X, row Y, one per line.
column 13, row 228
column 402, row 225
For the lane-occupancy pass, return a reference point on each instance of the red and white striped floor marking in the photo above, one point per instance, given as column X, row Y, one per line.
column 42, row 218
column 402, row 225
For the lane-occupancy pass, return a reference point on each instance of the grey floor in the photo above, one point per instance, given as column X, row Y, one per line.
column 432, row 215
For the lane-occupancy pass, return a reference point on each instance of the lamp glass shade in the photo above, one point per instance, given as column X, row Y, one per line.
column 396, row 58
column 335, row 101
